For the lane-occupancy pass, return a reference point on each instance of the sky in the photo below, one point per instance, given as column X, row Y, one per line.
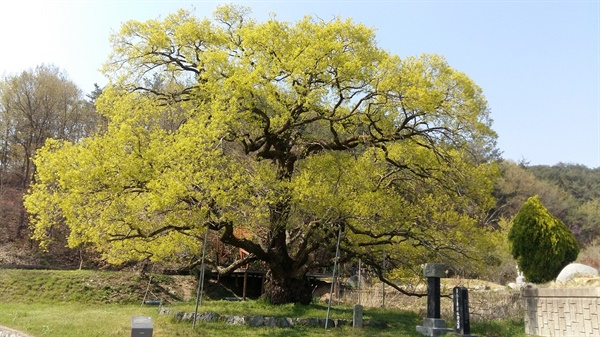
column 537, row 62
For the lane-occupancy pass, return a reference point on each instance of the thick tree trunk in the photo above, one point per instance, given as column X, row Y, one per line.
column 285, row 281
column 281, row 288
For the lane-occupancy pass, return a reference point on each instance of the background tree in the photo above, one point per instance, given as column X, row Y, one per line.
column 35, row 105
column 274, row 136
column 541, row 244
column 588, row 221
column 517, row 183
column 584, row 185
column 581, row 182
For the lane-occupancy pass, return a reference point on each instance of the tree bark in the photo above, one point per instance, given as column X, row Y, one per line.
column 281, row 288
column 286, row 280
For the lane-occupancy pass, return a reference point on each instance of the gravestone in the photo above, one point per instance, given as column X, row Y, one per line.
column 433, row 325
column 462, row 324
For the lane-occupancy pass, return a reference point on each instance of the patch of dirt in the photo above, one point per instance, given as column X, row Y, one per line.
column 184, row 286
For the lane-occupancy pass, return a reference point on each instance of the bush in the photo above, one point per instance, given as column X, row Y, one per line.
column 541, row 244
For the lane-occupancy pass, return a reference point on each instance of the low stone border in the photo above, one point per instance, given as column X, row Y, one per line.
column 258, row 321
column 8, row 332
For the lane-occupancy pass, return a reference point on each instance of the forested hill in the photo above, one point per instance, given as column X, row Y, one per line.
column 581, row 182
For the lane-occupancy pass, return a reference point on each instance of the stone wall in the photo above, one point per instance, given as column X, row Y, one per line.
column 8, row 332
column 559, row 312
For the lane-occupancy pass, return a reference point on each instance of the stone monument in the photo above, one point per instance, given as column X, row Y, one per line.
column 433, row 324
column 520, row 281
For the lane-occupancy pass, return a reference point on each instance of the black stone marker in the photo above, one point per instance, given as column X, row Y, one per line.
column 462, row 325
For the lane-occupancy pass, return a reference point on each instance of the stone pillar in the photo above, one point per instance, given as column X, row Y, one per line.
column 433, row 325
column 433, row 297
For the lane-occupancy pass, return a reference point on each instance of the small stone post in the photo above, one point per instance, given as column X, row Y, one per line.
column 357, row 317
column 433, row 325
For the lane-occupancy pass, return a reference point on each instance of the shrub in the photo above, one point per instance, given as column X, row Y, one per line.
column 541, row 244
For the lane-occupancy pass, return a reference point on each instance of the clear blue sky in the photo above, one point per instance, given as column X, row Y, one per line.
column 538, row 62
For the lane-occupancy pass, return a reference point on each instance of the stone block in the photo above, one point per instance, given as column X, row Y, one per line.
column 433, row 327
column 435, row 270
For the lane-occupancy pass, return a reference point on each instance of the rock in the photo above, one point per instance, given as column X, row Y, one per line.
column 330, row 323
column 309, row 322
column 235, row 320
column 187, row 316
column 285, row 322
column 177, row 315
column 256, row 321
column 340, row 322
column 271, row 322
column 575, row 269
column 207, row 317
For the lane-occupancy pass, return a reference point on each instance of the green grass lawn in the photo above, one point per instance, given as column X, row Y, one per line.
column 89, row 304
column 77, row 320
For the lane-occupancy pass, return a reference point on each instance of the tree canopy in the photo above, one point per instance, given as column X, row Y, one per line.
column 273, row 136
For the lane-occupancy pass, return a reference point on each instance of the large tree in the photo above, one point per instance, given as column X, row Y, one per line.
column 274, row 136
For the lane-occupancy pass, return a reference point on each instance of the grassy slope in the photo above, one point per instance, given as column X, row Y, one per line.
column 93, row 303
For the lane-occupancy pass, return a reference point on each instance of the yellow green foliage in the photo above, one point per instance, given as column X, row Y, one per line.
column 281, row 131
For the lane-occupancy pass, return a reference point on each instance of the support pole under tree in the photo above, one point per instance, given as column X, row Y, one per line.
column 383, row 283
column 200, row 280
column 337, row 254
column 245, row 284
column 359, row 281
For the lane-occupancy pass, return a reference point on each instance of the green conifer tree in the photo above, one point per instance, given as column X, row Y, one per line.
column 541, row 243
